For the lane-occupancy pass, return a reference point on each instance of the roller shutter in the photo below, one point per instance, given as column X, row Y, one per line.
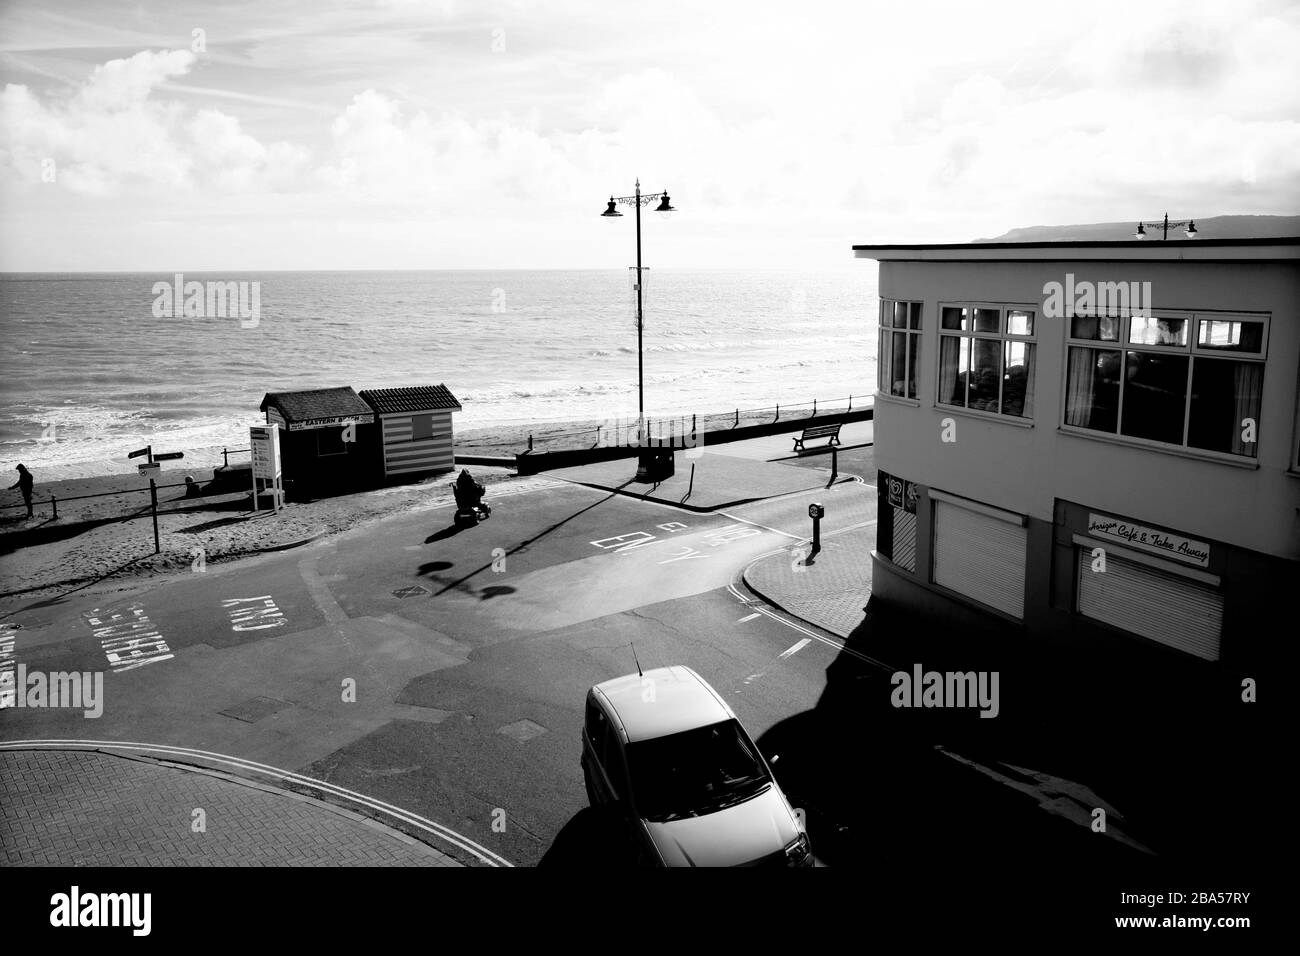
column 1161, row 605
column 981, row 555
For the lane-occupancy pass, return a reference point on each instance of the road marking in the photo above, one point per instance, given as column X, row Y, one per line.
column 837, row 644
column 791, row 651
column 749, row 617
column 261, row 615
column 128, row 636
column 8, row 696
column 753, row 677
column 757, row 524
column 429, row 826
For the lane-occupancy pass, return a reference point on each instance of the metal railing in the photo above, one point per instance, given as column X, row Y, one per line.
column 150, row 509
column 676, row 425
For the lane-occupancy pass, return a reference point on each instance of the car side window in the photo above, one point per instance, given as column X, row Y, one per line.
column 595, row 724
column 611, row 757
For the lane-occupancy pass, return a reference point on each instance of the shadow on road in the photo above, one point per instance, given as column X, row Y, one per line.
column 921, row 789
column 592, row 837
column 462, row 582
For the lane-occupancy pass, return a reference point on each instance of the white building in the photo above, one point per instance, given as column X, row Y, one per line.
column 1094, row 442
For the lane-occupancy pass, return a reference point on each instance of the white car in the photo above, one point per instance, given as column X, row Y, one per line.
column 665, row 750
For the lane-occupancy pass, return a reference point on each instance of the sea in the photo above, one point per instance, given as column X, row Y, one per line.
column 95, row 365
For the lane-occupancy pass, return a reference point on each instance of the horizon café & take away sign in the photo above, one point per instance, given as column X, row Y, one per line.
column 1187, row 550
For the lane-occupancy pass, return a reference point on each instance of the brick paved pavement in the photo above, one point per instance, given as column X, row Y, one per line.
column 82, row 808
column 832, row 592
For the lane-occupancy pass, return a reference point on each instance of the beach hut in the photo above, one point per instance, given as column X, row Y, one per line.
column 326, row 439
column 415, row 428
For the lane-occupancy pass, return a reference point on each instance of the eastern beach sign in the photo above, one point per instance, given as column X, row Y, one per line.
column 332, row 421
column 1167, row 545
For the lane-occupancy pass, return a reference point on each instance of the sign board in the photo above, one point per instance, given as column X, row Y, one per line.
column 140, row 451
column 149, row 469
column 265, row 443
column 334, row 421
column 909, row 497
column 169, row 456
column 273, row 416
column 1167, row 545
column 894, row 490
column 816, row 511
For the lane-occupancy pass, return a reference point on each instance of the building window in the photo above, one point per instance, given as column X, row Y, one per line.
column 986, row 359
column 900, row 347
column 1191, row 380
column 421, row 427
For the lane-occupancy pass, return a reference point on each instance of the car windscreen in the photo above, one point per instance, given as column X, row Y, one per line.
column 695, row 771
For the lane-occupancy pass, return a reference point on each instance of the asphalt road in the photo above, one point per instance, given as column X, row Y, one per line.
column 466, row 656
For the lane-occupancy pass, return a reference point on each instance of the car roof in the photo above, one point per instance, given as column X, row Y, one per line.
column 681, row 700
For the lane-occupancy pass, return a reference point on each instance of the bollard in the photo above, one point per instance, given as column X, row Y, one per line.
column 54, row 503
column 835, row 462
column 530, row 441
column 778, row 412
column 850, row 403
column 814, row 414
column 153, row 496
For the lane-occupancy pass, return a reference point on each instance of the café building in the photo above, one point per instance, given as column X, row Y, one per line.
column 1093, row 444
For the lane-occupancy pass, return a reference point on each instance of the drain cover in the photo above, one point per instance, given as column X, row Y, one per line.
column 412, row 591
column 251, row 711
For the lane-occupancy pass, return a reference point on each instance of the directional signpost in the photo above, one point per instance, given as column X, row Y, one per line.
column 150, row 466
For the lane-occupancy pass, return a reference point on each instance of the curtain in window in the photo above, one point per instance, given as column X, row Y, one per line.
column 953, row 352
column 1079, row 388
column 1249, row 380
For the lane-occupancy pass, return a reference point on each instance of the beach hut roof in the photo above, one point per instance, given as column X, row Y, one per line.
column 317, row 403
column 416, row 398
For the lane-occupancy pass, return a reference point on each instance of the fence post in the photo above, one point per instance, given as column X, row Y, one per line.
column 778, row 412
column 225, row 457
column 737, row 421
column 814, row 414
column 850, row 403
column 54, row 503
column 153, row 496
column 530, row 441
column 597, row 436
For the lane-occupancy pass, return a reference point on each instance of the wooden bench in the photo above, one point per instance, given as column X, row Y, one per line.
column 819, row 431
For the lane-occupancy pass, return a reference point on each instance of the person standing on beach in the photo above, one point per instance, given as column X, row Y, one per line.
column 24, row 483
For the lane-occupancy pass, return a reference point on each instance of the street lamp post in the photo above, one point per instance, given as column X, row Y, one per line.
column 637, row 200
column 1189, row 223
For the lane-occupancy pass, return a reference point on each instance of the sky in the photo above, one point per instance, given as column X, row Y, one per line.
column 398, row 134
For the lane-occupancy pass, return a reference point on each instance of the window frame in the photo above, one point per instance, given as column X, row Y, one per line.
column 1003, row 337
column 1191, row 350
column 885, row 356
